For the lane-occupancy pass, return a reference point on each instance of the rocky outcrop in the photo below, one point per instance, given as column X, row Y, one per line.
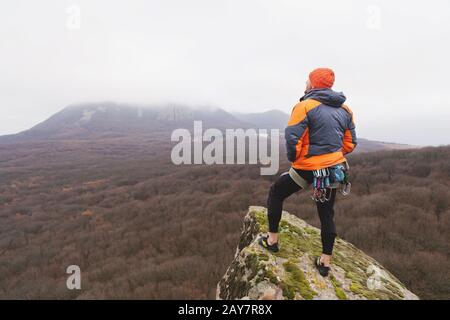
column 255, row 273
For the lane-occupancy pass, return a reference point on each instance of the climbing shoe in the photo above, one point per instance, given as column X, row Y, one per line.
column 263, row 241
column 322, row 269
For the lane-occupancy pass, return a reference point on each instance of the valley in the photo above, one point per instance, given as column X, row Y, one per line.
column 112, row 202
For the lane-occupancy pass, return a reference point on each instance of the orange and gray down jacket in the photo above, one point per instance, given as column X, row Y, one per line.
column 320, row 131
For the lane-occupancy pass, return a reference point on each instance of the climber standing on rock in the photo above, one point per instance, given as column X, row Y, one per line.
column 319, row 133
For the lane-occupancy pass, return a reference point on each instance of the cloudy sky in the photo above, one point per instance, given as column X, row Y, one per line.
column 391, row 58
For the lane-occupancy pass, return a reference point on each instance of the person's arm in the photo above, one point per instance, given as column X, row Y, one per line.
column 297, row 125
column 349, row 140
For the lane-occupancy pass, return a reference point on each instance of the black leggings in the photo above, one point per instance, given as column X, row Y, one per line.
column 283, row 188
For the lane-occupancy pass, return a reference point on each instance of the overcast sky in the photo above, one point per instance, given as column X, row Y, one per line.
column 391, row 58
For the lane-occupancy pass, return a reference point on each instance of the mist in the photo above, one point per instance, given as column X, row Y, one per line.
column 390, row 58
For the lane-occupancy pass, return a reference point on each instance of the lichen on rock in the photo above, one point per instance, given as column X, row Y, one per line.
column 256, row 273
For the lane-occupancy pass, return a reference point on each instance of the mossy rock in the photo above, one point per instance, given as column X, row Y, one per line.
column 256, row 273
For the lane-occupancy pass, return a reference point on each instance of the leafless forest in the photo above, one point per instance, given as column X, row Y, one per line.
column 140, row 227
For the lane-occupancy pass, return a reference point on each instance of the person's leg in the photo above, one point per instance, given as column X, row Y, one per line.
column 280, row 190
column 328, row 228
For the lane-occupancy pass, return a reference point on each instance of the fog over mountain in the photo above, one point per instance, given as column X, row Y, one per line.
column 106, row 120
column 390, row 58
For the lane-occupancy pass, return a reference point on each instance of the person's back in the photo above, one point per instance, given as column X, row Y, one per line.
column 319, row 133
column 321, row 129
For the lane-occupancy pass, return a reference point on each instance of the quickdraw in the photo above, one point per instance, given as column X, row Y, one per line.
column 321, row 185
column 330, row 178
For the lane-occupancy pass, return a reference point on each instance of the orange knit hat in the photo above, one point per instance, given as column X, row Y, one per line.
column 321, row 78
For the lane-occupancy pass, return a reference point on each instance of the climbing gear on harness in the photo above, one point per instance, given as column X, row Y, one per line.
column 345, row 184
column 330, row 178
column 321, row 183
column 340, row 175
column 298, row 179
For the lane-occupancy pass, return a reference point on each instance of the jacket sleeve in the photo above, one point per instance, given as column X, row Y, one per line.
column 297, row 125
column 349, row 141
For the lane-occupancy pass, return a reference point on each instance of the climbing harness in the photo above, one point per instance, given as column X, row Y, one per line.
column 330, row 178
column 298, row 179
column 335, row 177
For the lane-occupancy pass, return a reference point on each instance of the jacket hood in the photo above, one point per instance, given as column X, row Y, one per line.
column 326, row 96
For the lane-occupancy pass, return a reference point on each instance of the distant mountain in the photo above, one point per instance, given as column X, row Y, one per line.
column 272, row 119
column 109, row 120
column 365, row 145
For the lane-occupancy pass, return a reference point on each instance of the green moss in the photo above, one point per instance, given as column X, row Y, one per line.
column 294, row 243
column 356, row 288
column 270, row 275
column 352, row 276
column 251, row 261
column 256, row 262
column 340, row 293
column 252, row 264
column 263, row 257
column 359, row 286
column 355, row 265
column 262, row 221
column 352, row 261
column 296, row 282
column 392, row 288
column 289, row 227
column 337, row 288
column 312, row 232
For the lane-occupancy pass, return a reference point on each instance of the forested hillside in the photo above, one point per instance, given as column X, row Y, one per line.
column 140, row 227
